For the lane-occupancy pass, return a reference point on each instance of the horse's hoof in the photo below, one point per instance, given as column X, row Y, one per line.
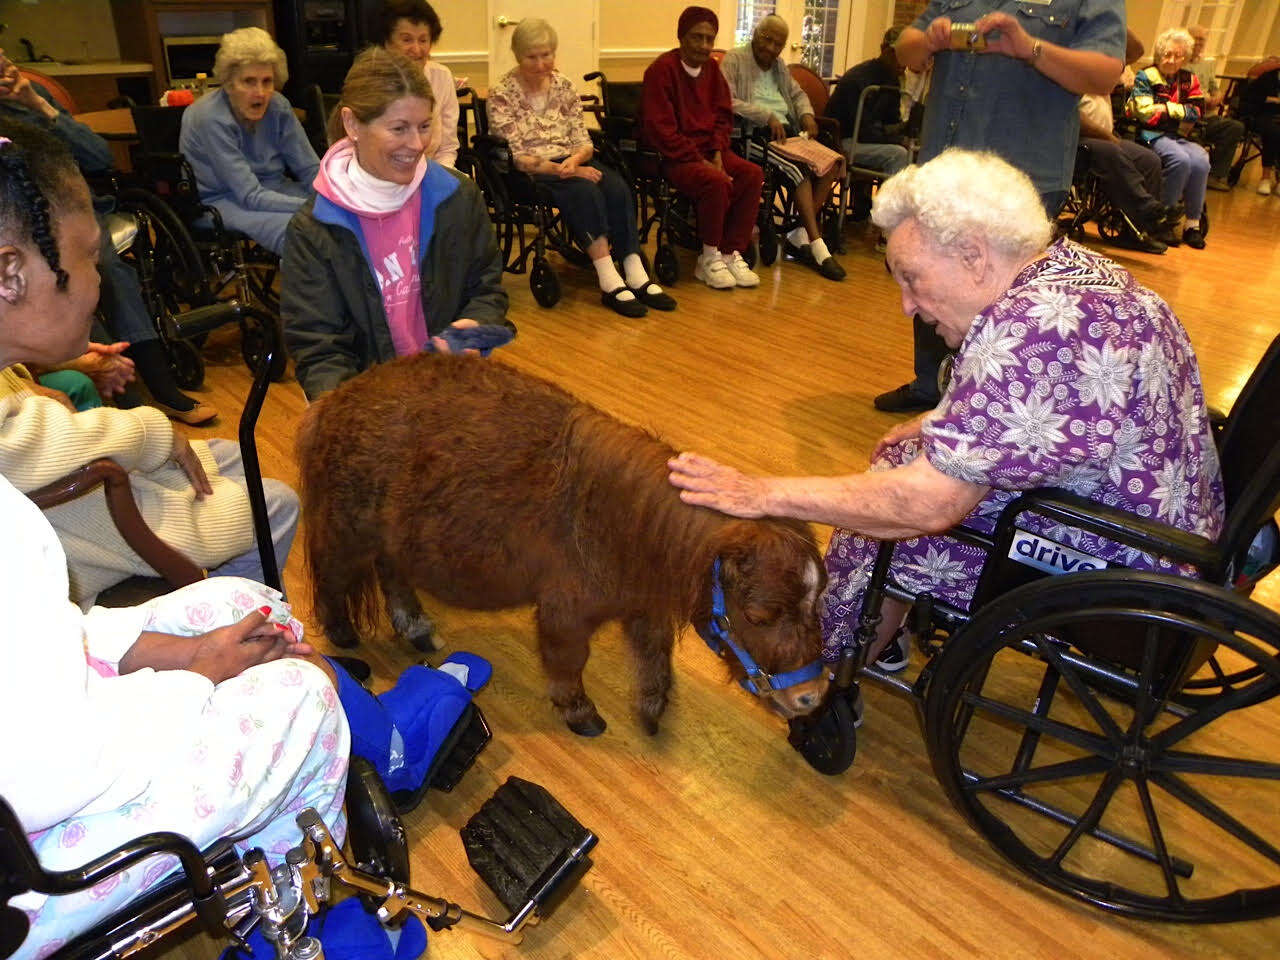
column 347, row 640
column 591, row 727
column 425, row 642
column 649, row 725
column 418, row 628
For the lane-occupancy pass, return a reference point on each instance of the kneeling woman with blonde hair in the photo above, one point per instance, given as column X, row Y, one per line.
column 395, row 250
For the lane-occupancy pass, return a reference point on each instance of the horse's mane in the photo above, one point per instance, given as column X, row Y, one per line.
column 613, row 477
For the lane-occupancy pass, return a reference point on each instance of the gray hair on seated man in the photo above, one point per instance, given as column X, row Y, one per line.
column 532, row 32
column 246, row 47
column 965, row 193
column 1173, row 37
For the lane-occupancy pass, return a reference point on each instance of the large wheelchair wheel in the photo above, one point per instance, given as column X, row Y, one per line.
column 1121, row 798
column 175, row 258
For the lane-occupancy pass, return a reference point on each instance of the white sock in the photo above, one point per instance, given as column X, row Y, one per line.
column 709, row 252
column 819, row 250
column 1192, row 225
column 610, row 279
column 633, row 270
column 798, row 237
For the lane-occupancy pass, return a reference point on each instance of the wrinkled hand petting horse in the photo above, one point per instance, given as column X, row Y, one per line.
column 489, row 488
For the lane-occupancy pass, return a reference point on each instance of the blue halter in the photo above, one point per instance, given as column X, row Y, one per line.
column 719, row 638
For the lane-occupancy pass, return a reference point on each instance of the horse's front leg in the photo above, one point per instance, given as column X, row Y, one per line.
column 564, row 643
column 407, row 616
column 651, row 642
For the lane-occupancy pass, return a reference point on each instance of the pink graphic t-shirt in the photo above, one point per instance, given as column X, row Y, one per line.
column 389, row 216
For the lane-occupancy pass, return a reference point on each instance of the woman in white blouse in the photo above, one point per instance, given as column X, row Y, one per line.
column 412, row 27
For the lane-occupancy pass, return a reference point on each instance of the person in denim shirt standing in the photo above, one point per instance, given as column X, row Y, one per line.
column 1008, row 81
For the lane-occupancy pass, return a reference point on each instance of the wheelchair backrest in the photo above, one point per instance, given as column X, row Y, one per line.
column 621, row 99
column 157, row 159
column 1250, row 456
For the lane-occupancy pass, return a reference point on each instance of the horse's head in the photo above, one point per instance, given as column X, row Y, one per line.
column 771, row 576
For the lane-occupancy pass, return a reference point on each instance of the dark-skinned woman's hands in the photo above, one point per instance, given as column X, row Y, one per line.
column 229, row 651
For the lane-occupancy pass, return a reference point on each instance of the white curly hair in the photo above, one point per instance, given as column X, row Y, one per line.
column 246, row 47
column 1173, row 37
column 965, row 193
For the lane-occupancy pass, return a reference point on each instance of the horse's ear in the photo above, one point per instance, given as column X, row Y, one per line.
column 737, row 553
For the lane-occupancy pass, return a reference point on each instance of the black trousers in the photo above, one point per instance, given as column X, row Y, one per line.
column 1129, row 173
column 1221, row 137
column 592, row 210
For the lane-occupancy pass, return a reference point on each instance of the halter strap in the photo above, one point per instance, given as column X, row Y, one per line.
column 719, row 637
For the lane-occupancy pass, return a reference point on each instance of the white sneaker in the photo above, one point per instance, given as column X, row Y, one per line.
column 1264, row 188
column 714, row 272
column 743, row 275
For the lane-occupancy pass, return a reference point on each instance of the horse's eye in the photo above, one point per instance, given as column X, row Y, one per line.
column 760, row 616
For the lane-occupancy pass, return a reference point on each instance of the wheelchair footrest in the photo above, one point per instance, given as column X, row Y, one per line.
column 203, row 320
column 466, row 740
column 527, row 848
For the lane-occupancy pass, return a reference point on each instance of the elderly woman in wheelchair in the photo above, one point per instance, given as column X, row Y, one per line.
column 251, row 157
column 1099, row 729
column 201, row 712
column 1068, row 374
column 537, row 111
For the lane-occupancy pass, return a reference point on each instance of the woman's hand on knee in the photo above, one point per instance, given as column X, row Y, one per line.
column 185, row 457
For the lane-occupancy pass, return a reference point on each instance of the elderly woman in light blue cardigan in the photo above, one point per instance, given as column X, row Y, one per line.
column 251, row 158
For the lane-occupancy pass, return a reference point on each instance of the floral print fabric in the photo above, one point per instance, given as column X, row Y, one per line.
column 1077, row 377
column 549, row 133
column 271, row 742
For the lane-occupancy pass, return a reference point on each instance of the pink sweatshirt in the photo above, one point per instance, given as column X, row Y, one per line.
column 389, row 217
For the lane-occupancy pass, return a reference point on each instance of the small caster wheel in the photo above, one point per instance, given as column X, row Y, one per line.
column 544, row 284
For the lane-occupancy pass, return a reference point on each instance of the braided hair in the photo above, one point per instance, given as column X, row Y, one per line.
column 35, row 168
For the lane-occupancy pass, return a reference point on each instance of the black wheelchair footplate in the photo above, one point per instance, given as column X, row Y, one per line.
column 527, row 849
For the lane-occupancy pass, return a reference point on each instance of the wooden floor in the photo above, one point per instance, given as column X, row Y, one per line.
column 716, row 839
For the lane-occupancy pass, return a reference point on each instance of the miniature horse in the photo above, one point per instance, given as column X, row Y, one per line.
column 490, row 488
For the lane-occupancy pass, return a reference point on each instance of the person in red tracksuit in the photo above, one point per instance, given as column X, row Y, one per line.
column 686, row 114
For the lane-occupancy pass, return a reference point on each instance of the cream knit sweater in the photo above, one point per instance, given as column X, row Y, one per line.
column 40, row 441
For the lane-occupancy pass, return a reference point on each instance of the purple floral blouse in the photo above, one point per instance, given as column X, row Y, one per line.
column 548, row 133
column 1077, row 377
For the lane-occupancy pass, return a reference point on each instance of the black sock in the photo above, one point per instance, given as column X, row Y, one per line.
column 152, row 364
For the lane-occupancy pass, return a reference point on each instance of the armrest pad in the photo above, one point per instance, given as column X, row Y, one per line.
column 1150, row 536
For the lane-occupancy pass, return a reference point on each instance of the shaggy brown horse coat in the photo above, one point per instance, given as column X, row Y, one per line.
column 491, row 488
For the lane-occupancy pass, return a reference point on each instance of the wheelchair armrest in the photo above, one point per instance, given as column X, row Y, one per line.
column 829, row 133
column 173, row 566
column 1121, row 526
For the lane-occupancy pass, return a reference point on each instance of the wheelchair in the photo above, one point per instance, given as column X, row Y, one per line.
column 525, row 846
column 660, row 208
column 517, row 203
column 187, row 260
column 1086, row 201
column 1095, row 727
